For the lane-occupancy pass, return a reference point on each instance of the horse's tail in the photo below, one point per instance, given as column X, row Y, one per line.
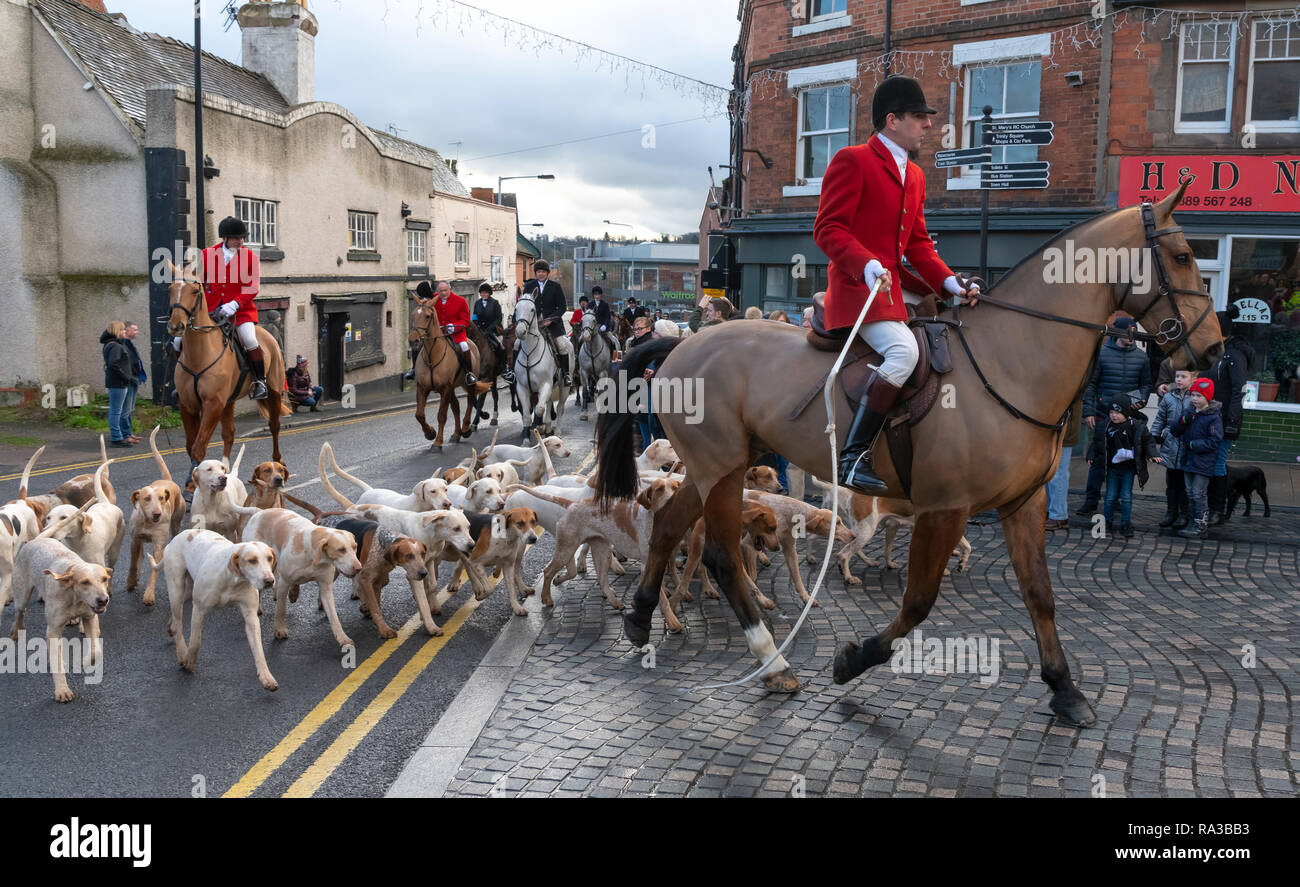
column 616, row 472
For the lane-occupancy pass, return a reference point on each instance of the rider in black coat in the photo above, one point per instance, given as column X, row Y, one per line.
column 551, row 305
column 486, row 315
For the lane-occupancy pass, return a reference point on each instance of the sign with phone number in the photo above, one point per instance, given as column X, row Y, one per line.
column 1223, row 183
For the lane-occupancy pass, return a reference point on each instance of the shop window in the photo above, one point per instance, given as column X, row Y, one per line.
column 1267, row 270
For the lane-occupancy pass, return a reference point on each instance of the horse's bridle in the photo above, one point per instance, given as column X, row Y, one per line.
column 190, row 312
column 1171, row 334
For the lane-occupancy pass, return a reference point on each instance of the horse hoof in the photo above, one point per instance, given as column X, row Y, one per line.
column 782, row 681
column 436, row 448
column 493, row 422
column 636, row 634
column 846, row 667
column 1071, row 707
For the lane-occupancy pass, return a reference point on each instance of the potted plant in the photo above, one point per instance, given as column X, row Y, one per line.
column 1268, row 386
column 1284, row 354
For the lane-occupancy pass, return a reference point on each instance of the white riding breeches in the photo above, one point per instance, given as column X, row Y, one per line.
column 895, row 342
column 247, row 333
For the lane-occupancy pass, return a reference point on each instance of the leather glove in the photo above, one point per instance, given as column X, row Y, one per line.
column 450, row 329
column 228, row 309
column 602, row 329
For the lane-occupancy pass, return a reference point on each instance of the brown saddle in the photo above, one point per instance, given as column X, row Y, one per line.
column 923, row 385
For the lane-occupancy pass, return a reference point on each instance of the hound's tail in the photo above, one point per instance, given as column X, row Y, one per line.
column 305, row 506
column 239, row 457
column 616, row 474
column 100, row 473
column 157, row 456
column 325, row 479
column 545, row 497
column 27, row 473
column 334, row 466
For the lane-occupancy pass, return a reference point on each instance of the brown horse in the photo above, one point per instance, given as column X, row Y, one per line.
column 438, row 369
column 207, row 377
column 487, row 360
column 1033, row 344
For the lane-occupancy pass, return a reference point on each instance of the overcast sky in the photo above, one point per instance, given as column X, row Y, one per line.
column 462, row 80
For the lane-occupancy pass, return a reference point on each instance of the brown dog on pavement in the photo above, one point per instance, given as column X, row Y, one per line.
column 157, row 514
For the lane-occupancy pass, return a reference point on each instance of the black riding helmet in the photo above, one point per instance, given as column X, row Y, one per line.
column 231, row 227
column 898, row 95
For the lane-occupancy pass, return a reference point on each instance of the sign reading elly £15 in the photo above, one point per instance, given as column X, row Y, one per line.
column 1253, row 311
column 1225, row 183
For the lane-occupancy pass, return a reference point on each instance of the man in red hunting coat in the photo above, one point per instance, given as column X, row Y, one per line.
column 872, row 215
column 232, row 275
column 453, row 314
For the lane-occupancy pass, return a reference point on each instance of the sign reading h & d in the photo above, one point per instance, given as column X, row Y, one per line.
column 1224, row 182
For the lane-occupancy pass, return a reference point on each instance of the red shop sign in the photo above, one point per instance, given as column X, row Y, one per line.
column 1224, row 183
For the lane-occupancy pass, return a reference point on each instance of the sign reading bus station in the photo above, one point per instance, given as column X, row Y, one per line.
column 1224, row 182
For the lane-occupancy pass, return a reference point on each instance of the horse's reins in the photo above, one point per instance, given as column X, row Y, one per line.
column 1171, row 332
column 190, row 324
column 835, row 503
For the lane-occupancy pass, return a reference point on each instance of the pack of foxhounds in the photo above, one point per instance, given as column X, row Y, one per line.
column 238, row 540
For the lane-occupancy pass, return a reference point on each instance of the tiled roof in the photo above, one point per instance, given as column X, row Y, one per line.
column 444, row 180
column 127, row 62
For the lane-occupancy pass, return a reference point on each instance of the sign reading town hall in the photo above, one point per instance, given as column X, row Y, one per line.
column 1224, row 183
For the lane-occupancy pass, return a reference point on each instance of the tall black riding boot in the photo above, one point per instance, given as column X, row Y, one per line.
column 564, row 368
column 258, row 365
column 855, row 470
column 415, row 353
column 470, row 378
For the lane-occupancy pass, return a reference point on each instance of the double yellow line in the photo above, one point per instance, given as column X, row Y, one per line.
column 323, row 767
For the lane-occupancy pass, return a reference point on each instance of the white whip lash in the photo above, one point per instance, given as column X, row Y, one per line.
column 835, row 504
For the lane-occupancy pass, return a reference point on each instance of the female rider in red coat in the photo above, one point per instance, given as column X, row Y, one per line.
column 872, row 215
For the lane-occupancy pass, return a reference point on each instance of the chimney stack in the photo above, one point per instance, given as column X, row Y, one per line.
column 279, row 42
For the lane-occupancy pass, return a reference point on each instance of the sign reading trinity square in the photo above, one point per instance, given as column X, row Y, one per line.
column 1224, row 183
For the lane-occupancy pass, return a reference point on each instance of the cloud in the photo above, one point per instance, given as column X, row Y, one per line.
column 466, row 87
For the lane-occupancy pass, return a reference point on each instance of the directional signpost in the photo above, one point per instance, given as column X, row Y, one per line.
column 1001, row 176
column 962, row 157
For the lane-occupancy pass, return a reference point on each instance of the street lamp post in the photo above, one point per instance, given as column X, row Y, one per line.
column 631, row 274
column 501, row 179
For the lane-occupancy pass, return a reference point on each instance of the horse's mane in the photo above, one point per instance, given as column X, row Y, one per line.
column 1037, row 252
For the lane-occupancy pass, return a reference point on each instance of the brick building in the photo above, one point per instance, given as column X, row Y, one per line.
column 805, row 73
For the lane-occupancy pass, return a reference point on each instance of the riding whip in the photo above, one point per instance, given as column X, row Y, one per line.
column 835, row 502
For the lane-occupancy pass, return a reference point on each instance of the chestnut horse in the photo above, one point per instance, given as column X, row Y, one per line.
column 438, row 369
column 1027, row 349
column 207, row 372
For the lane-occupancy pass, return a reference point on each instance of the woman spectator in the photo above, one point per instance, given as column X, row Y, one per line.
column 118, row 378
column 301, row 392
column 779, row 315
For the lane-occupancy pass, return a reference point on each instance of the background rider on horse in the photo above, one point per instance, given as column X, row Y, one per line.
column 232, row 276
column 866, row 190
column 604, row 316
column 551, row 305
column 487, row 317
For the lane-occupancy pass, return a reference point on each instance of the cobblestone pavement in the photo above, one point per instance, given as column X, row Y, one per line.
column 1154, row 628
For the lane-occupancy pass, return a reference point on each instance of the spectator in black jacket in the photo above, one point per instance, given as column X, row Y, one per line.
column 1229, row 376
column 1120, row 367
column 118, row 378
column 138, row 378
